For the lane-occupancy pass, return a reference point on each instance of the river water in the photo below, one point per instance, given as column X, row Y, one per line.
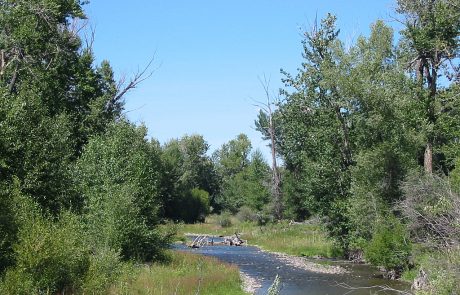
column 264, row 267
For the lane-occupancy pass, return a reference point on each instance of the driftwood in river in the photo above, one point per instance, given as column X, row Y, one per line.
column 234, row 240
column 204, row 240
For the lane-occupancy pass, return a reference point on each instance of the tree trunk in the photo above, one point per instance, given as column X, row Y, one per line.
column 276, row 181
column 428, row 158
column 346, row 149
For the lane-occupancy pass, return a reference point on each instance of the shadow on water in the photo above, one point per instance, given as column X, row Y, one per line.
column 265, row 266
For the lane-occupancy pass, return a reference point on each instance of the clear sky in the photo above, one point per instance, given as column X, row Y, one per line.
column 210, row 54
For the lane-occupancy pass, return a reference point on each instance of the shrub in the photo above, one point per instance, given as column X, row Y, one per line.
column 266, row 215
column 8, row 230
column 389, row 246
column 118, row 178
column 225, row 219
column 443, row 271
column 194, row 206
column 105, row 268
column 246, row 214
column 432, row 209
column 51, row 256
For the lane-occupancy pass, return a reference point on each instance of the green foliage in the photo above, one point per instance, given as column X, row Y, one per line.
column 8, row 229
column 104, row 270
column 296, row 207
column 390, row 246
column 118, row 178
column 247, row 214
column 245, row 180
column 52, row 99
column 188, row 173
column 375, row 188
column 454, row 176
column 442, row 269
column 194, row 206
column 50, row 256
column 225, row 219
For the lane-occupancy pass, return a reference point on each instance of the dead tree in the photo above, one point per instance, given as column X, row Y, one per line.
column 269, row 128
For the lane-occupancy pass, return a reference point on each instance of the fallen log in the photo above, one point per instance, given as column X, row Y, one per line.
column 234, row 241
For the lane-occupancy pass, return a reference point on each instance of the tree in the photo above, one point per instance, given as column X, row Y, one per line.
column 432, row 30
column 52, row 98
column 119, row 178
column 231, row 160
column 188, row 173
column 316, row 124
column 244, row 176
column 266, row 125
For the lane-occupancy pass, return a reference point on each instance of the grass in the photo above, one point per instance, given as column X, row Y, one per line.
column 442, row 268
column 185, row 274
column 297, row 239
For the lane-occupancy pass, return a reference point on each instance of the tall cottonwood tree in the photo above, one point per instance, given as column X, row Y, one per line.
column 316, row 124
column 52, row 97
column 432, row 30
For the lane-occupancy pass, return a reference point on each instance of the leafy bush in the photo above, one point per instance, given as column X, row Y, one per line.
column 118, row 179
column 194, row 206
column 246, row 214
column 443, row 270
column 389, row 246
column 225, row 219
column 105, row 268
column 51, row 256
column 8, row 229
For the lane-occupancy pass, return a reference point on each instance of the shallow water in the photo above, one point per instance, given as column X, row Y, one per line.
column 295, row 281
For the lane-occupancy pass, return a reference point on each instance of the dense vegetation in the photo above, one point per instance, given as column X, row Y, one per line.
column 368, row 135
column 369, row 138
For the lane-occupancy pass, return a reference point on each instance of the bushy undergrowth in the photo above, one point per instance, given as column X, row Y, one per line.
column 224, row 219
column 390, row 246
column 193, row 206
column 54, row 255
column 50, row 256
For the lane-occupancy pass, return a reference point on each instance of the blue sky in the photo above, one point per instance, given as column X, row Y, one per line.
column 209, row 56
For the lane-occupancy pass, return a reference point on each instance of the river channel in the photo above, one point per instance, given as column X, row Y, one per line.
column 262, row 266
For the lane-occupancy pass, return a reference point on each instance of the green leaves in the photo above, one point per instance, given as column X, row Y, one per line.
column 118, row 175
column 245, row 181
column 188, row 174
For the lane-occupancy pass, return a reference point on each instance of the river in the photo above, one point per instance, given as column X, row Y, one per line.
column 263, row 267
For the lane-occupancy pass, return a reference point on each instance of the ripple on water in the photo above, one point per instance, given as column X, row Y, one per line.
column 262, row 267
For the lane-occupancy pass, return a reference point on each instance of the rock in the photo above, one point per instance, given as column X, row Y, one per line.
column 391, row 275
column 421, row 281
column 356, row 256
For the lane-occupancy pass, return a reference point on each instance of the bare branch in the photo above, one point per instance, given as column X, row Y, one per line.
column 123, row 88
column 89, row 38
column 378, row 288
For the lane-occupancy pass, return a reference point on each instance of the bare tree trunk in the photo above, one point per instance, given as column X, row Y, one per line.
column 346, row 149
column 13, row 80
column 276, row 191
column 276, row 179
column 428, row 158
column 432, row 86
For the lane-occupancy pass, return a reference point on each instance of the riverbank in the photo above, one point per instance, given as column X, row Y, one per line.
column 186, row 273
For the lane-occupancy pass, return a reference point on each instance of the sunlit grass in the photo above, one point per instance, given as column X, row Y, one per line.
column 185, row 274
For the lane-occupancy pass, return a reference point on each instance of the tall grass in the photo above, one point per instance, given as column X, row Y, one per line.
column 185, row 274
